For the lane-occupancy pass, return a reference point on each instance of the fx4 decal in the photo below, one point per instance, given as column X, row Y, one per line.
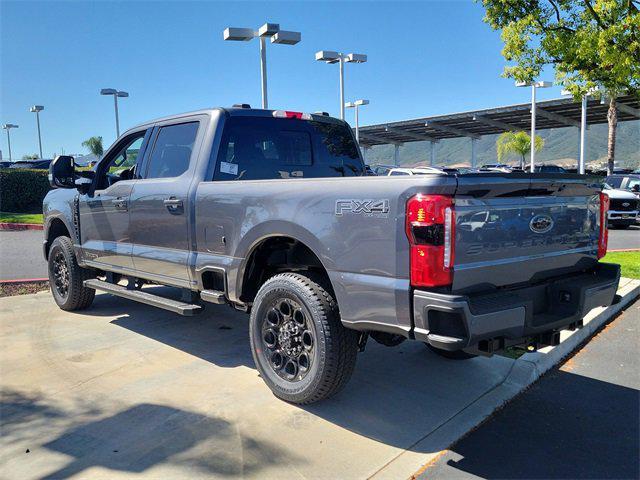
column 366, row 207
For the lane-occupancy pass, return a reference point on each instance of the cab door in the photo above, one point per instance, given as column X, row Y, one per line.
column 160, row 202
column 104, row 210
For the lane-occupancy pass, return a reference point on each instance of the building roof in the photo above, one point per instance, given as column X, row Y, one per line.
column 558, row 113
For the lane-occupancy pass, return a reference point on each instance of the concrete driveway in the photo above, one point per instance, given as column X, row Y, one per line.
column 127, row 389
column 124, row 389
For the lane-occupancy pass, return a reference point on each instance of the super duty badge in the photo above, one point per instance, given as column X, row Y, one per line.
column 366, row 207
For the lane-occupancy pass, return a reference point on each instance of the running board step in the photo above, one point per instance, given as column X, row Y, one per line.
column 176, row 306
column 213, row 296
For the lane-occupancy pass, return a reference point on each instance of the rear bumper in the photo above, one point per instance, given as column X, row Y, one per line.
column 489, row 321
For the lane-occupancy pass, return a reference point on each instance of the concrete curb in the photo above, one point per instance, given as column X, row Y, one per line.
column 523, row 372
column 21, row 226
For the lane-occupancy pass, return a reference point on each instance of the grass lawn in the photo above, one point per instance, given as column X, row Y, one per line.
column 629, row 261
column 20, row 217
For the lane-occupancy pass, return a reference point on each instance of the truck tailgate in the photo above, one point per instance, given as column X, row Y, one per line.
column 519, row 228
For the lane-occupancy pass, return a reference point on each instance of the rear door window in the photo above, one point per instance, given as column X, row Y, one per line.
column 172, row 150
column 256, row 148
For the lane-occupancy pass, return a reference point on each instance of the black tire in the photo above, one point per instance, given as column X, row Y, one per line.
column 330, row 354
column 451, row 355
column 66, row 277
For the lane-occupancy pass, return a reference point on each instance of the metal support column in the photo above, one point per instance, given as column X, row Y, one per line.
column 583, row 135
column 473, row 152
column 432, row 153
column 9, row 144
column 263, row 71
column 341, row 63
column 533, row 127
column 396, row 154
column 115, row 104
column 39, row 136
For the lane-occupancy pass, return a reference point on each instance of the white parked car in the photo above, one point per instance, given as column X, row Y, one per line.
column 624, row 207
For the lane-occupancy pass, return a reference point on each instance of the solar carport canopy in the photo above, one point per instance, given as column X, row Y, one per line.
column 564, row 112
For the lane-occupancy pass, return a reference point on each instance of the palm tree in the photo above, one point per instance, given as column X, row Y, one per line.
column 94, row 145
column 518, row 143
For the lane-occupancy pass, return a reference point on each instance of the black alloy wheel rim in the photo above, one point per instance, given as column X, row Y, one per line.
column 60, row 274
column 288, row 339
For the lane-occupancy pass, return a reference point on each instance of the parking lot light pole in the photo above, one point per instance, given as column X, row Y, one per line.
column 116, row 94
column 355, row 105
column 340, row 58
column 268, row 30
column 37, row 109
column 534, row 86
column 7, row 127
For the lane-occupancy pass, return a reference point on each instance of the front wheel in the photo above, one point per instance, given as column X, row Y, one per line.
column 300, row 347
column 66, row 277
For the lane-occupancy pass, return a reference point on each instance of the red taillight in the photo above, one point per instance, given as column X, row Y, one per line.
column 430, row 229
column 603, row 234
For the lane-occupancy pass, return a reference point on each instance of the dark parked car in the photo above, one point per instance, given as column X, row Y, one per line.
column 5, row 164
column 547, row 169
column 32, row 164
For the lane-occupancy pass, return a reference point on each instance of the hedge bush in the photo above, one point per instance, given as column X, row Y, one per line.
column 22, row 190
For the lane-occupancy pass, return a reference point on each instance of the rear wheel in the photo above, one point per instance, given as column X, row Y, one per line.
column 66, row 277
column 451, row 355
column 302, row 350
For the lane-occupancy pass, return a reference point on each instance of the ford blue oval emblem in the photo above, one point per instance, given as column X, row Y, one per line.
column 541, row 224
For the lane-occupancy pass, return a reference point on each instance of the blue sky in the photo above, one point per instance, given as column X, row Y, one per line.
column 424, row 58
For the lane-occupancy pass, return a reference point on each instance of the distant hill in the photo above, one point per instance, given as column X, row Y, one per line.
column 562, row 147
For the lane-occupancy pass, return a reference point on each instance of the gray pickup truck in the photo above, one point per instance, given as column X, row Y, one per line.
column 271, row 212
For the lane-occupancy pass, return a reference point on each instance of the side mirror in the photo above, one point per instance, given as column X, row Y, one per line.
column 62, row 172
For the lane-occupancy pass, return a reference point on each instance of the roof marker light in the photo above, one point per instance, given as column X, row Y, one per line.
column 289, row 114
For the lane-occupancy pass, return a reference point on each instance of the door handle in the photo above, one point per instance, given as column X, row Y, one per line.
column 173, row 204
column 119, row 203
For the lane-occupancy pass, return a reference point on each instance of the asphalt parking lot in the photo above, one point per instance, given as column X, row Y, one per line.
column 589, row 404
column 21, row 251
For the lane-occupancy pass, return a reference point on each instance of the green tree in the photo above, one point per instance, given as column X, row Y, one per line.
column 94, row 145
column 33, row 156
column 592, row 44
column 518, row 143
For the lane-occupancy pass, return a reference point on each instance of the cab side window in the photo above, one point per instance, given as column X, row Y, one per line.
column 172, row 150
column 122, row 164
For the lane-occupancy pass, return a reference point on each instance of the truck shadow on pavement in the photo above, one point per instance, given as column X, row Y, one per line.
column 219, row 335
column 396, row 395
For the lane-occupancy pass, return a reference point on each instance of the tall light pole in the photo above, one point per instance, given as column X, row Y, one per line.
column 340, row 58
column 534, row 86
column 268, row 30
column 37, row 109
column 583, row 128
column 355, row 105
column 7, row 127
column 116, row 94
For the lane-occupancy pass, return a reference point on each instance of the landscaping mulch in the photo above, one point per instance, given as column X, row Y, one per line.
column 11, row 289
